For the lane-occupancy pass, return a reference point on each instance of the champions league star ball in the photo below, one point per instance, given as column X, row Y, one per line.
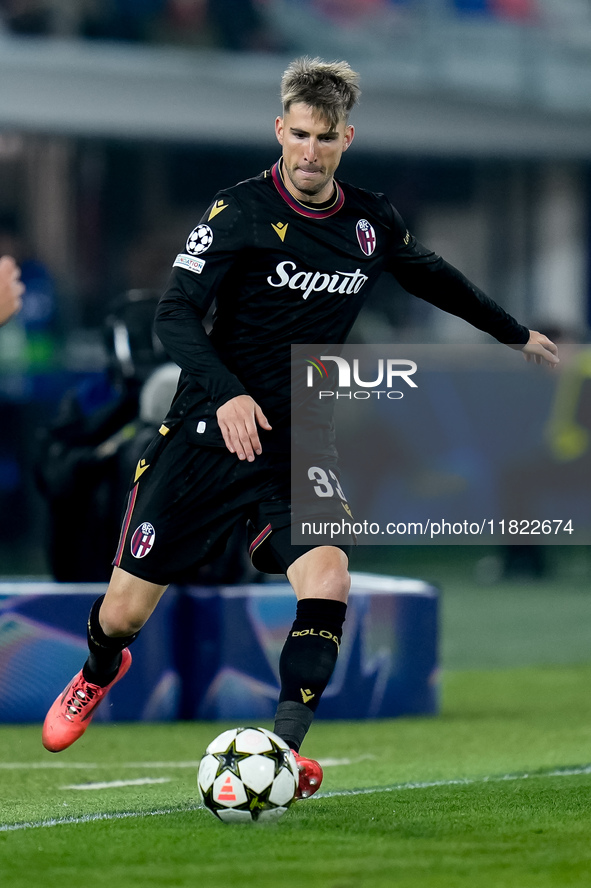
column 247, row 774
column 199, row 240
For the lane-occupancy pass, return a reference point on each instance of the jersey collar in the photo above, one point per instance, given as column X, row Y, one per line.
column 304, row 209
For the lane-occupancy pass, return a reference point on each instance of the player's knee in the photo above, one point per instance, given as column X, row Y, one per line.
column 331, row 582
column 321, row 573
column 119, row 621
column 335, row 582
column 128, row 604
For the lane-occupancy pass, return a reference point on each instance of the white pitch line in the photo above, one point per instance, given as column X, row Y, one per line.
column 40, row 766
column 194, row 764
column 460, row 781
column 88, row 766
column 91, row 818
column 142, row 781
column 332, row 763
column 373, row 790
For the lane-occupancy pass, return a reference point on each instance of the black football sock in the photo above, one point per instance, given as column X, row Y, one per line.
column 292, row 722
column 306, row 664
column 104, row 658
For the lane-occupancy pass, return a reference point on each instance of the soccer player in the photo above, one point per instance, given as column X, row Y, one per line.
column 289, row 257
column 11, row 289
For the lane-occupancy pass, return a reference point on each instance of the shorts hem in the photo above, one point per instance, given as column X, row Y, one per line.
column 141, row 576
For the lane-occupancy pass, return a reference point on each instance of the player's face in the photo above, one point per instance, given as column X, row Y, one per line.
column 312, row 150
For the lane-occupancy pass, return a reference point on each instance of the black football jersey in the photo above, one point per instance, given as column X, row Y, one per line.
column 284, row 272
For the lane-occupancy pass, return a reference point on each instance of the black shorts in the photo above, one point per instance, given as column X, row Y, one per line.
column 185, row 501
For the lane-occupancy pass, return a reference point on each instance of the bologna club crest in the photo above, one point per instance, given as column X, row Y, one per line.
column 142, row 540
column 366, row 236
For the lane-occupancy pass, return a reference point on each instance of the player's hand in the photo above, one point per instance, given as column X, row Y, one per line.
column 540, row 349
column 238, row 419
column 11, row 288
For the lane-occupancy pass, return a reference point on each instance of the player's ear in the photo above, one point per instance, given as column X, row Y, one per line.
column 279, row 129
column 349, row 136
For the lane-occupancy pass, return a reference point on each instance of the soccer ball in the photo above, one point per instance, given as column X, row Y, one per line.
column 247, row 774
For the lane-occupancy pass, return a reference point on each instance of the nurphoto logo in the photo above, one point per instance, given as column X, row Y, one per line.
column 389, row 372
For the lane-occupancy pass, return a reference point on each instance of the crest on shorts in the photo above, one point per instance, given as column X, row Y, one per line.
column 366, row 236
column 142, row 540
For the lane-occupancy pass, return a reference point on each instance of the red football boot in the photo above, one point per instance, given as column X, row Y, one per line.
column 73, row 710
column 310, row 776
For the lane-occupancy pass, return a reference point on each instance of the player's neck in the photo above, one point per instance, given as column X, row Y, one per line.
column 322, row 197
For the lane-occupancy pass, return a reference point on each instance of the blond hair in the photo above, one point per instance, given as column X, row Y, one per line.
column 331, row 88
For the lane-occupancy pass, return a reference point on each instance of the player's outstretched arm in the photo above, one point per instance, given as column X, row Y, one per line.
column 11, row 288
column 540, row 349
column 238, row 419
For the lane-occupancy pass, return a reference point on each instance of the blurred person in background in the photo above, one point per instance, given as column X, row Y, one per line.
column 34, row 345
column 289, row 256
column 559, row 467
column 11, row 289
column 82, row 464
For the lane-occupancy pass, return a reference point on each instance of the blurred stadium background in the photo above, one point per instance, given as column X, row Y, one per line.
column 120, row 119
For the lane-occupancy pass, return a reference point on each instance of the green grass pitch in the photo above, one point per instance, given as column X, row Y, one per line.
column 494, row 792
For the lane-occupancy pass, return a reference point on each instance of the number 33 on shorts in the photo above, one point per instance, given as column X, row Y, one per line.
column 327, row 484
